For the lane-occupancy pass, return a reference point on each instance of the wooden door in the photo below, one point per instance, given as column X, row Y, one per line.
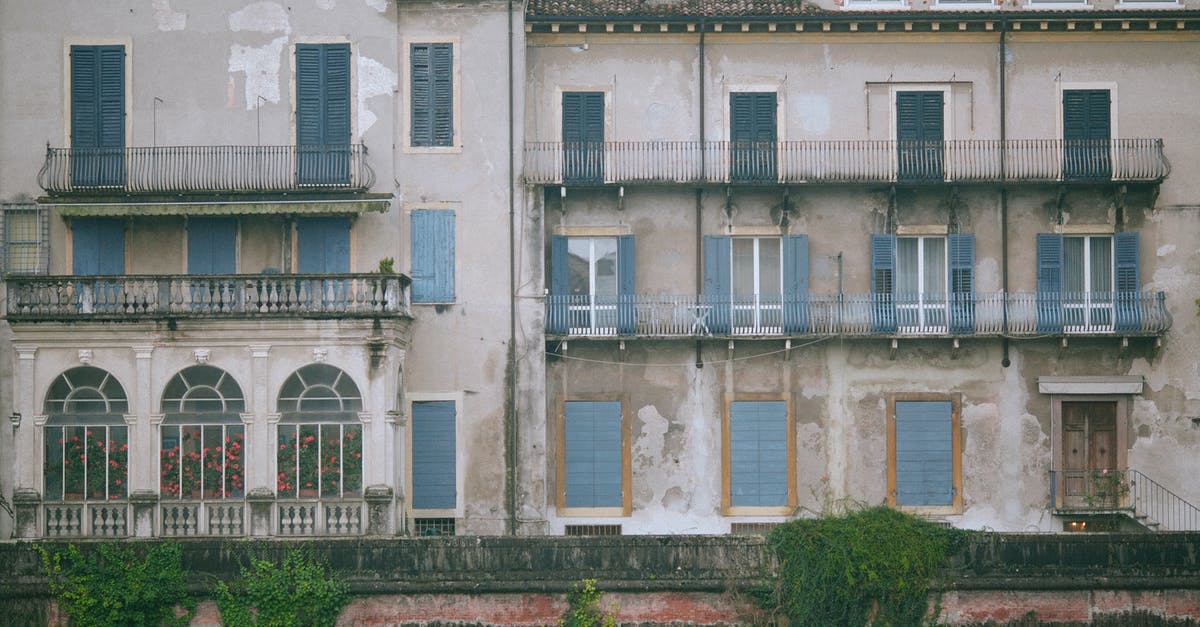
column 1089, row 443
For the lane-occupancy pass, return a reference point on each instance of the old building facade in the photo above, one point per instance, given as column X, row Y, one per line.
column 382, row 268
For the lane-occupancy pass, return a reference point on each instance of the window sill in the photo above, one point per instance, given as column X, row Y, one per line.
column 433, row 150
column 593, row 512
column 753, row 510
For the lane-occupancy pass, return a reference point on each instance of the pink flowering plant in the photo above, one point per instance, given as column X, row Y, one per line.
column 319, row 460
column 202, row 462
column 87, row 462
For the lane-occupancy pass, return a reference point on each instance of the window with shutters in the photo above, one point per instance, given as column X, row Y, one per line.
column 323, row 127
column 752, row 136
column 322, row 245
column 924, row 454
column 433, row 84
column 432, row 256
column 320, row 450
column 212, row 245
column 1087, row 134
column 433, row 458
column 97, row 97
column 1088, row 283
column 593, row 469
column 920, row 131
column 756, row 285
column 923, row 284
column 592, row 285
column 759, row 451
column 583, row 137
column 25, row 239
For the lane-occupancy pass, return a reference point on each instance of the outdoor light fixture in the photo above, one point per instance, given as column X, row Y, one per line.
column 15, row 419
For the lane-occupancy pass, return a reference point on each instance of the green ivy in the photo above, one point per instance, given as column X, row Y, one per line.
column 113, row 585
column 298, row 592
column 872, row 567
column 583, row 607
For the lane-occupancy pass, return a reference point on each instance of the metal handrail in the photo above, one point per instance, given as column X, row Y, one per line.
column 1160, row 508
column 199, row 169
column 142, row 297
column 844, row 161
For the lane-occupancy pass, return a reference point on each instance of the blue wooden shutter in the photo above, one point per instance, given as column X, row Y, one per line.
column 758, row 453
column 962, row 282
column 919, row 134
column 583, row 137
column 1049, row 283
column 432, row 256
column 752, row 135
column 1128, row 287
column 322, row 245
column 626, row 312
column 433, row 455
column 212, row 245
column 718, row 284
column 323, row 113
column 431, row 97
column 98, row 116
column 98, row 246
column 556, row 307
column 592, row 454
column 1087, row 121
column 795, row 284
column 924, row 453
column 883, row 283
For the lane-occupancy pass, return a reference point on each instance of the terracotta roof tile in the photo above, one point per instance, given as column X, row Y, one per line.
column 673, row 8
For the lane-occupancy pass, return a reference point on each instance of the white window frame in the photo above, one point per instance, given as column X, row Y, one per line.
column 759, row 322
column 1088, row 302
column 923, row 306
column 595, row 311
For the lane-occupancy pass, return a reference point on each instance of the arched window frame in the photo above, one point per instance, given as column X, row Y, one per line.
column 202, row 437
column 319, row 435
column 86, row 440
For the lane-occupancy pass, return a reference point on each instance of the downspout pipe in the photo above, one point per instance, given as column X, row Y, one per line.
column 1003, row 49
column 700, row 193
column 511, row 457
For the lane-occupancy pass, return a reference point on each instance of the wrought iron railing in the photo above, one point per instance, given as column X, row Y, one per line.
column 988, row 314
column 1159, row 508
column 141, row 297
column 200, row 169
column 844, row 161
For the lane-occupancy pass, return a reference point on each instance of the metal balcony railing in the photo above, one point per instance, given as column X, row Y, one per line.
column 206, row 169
column 152, row 297
column 844, row 162
column 1028, row 314
column 1159, row 508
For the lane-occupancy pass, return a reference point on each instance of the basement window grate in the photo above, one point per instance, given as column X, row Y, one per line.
column 430, row 527
column 752, row 528
column 593, row 530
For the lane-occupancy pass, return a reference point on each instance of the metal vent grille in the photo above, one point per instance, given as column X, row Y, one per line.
column 593, row 530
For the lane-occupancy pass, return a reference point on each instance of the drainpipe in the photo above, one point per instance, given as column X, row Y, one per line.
column 510, row 374
column 700, row 195
column 1004, row 361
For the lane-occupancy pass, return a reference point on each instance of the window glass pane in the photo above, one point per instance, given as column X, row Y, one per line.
column 96, row 463
column 769, row 280
column 53, row 463
column 907, row 265
column 309, row 458
column 285, row 484
column 202, row 400
column 579, row 255
column 74, row 461
column 352, row 464
column 235, row 469
column 191, row 463
column 169, row 459
column 1101, row 264
column 743, row 266
column 935, row 266
column 21, row 233
column 1073, row 279
column 118, row 462
column 606, row 266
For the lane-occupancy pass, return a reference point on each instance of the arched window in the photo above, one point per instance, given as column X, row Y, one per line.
column 320, row 437
column 87, row 441
column 202, row 452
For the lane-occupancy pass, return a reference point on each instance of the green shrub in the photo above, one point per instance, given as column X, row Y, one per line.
column 299, row 592
column 869, row 567
column 583, row 601
column 112, row 585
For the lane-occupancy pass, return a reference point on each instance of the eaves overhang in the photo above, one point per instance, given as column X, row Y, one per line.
column 361, row 203
column 1119, row 384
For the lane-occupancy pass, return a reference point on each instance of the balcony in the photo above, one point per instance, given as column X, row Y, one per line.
column 206, row 170
column 845, row 162
column 139, row 298
column 1093, row 314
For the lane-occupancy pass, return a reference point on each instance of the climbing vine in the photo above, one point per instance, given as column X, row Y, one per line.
column 583, row 601
column 297, row 592
column 112, row 584
column 872, row 567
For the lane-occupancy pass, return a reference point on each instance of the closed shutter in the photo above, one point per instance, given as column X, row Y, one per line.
column 919, row 134
column 98, row 246
column 592, row 454
column 431, row 97
column 962, row 282
column 1126, row 270
column 924, row 453
column 432, row 256
column 795, row 284
column 1049, row 283
column 883, row 283
column 758, row 453
column 583, row 137
column 433, row 455
column 98, row 116
column 323, row 245
column 212, row 245
column 752, row 134
column 1087, row 121
column 626, row 311
column 323, row 113
column 557, row 310
column 718, row 289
